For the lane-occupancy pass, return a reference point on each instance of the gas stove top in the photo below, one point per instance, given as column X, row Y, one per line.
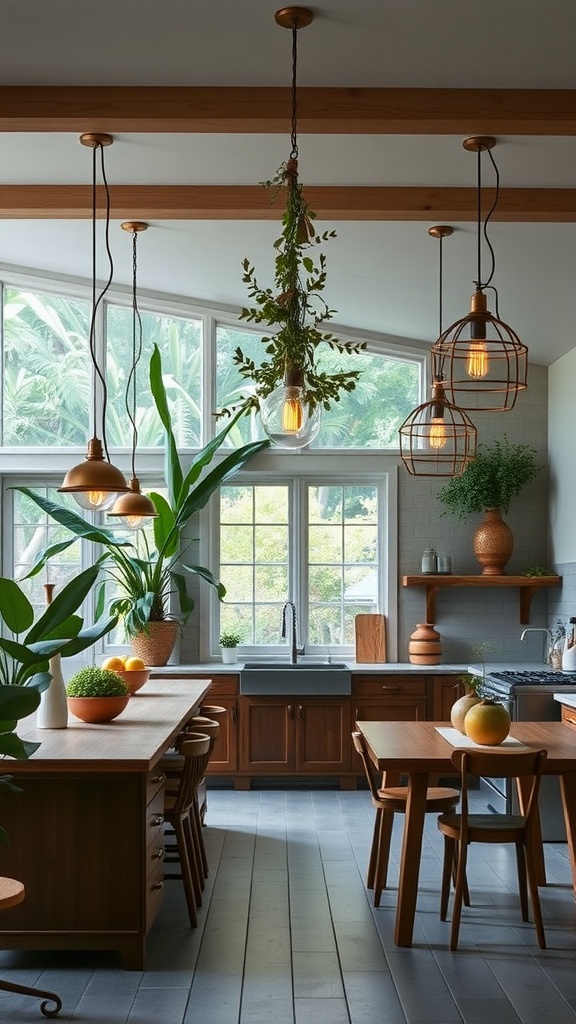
column 531, row 677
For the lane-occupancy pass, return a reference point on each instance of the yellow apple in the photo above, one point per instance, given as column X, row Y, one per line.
column 114, row 664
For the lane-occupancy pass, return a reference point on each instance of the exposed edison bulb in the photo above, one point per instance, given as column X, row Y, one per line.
column 438, row 436
column 287, row 418
column 477, row 360
column 292, row 415
column 136, row 522
column 94, row 500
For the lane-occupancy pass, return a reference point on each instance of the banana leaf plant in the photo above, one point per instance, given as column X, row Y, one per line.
column 146, row 575
column 26, row 646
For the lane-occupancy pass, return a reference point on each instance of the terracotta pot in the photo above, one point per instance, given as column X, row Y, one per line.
column 425, row 647
column 134, row 680
column 493, row 543
column 97, row 710
column 156, row 646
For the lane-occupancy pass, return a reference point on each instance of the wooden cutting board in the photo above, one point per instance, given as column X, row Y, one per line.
column 370, row 638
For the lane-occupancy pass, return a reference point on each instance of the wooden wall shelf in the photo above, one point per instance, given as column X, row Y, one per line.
column 527, row 585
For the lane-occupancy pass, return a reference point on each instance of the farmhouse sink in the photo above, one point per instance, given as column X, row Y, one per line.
column 276, row 678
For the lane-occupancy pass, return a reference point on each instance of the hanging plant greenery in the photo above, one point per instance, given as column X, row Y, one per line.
column 294, row 309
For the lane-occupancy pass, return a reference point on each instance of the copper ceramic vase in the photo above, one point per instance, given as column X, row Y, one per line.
column 493, row 543
column 425, row 647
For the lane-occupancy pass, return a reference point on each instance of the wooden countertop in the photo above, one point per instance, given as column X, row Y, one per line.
column 133, row 742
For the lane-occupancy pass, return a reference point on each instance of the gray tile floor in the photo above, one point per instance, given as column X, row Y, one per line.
column 288, row 934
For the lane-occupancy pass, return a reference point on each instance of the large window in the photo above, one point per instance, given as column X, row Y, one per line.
column 323, row 545
column 315, row 527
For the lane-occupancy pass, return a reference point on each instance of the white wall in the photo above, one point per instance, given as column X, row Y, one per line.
column 562, row 457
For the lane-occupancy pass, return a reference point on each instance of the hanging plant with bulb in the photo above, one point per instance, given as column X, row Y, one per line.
column 290, row 390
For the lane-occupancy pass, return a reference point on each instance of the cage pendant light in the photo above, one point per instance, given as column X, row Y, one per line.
column 95, row 482
column 437, row 438
column 134, row 508
column 482, row 360
column 287, row 417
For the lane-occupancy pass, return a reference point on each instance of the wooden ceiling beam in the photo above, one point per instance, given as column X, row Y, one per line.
column 260, row 110
column 252, row 202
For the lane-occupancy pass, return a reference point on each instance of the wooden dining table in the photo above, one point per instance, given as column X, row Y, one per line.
column 419, row 750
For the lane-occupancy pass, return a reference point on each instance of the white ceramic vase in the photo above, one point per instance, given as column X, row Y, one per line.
column 228, row 655
column 52, row 711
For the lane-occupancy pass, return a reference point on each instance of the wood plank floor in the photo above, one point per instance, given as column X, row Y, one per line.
column 288, row 934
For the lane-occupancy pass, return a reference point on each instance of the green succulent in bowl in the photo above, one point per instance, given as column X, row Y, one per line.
column 96, row 682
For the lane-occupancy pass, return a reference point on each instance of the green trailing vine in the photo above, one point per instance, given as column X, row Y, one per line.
column 295, row 308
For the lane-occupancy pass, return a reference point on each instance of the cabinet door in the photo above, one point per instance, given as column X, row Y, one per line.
column 266, row 735
column 322, row 735
column 224, row 756
column 446, row 690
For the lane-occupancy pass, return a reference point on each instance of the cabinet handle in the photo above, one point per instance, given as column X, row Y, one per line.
column 159, row 779
column 396, row 686
column 157, row 821
column 300, row 710
column 158, row 886
column 290, row 711
column 233, row 714
column 158, row 854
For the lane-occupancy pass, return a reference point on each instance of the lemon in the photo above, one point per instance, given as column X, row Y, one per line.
column 114, row 664
column 134, row 664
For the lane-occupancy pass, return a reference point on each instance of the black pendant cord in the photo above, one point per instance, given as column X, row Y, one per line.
column 97, row 301
column 136, row 354
column 440, row 374
column 293, row 132
column 483, row 227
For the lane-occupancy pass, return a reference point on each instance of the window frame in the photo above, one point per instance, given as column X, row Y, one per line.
column 306, row 468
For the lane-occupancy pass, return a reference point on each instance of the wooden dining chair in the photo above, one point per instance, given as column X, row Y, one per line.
column 461, row 829
column 12, row 892
column 387, row 802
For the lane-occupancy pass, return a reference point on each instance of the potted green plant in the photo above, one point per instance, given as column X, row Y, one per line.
column 147, row 575
column 97, row 695
column 228, row 644
column 488, row 484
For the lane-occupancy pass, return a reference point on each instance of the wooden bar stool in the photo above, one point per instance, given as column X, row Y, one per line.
column 178, row 813
column 214, row 712
column 12, row 893
column 387, row 802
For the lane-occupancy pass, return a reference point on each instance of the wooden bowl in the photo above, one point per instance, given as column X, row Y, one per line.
column 97, row 709
column 135, row 679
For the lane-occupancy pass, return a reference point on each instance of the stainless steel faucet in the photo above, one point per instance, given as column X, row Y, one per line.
column 293, row 641
column 540, row 629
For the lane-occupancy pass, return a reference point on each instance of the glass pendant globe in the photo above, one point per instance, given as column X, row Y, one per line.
column 287, row 418
column 95, row 501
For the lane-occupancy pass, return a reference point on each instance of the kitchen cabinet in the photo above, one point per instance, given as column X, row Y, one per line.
column 294, row 735
column 445, row 691
column 224, row 692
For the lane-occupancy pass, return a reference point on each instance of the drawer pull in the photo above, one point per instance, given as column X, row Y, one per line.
column 387, row 686
column 158, row 854
column 158, row 886
column 159, row 779
column 156, row 822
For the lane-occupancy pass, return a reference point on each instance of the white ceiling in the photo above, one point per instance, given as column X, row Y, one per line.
column 382, row 275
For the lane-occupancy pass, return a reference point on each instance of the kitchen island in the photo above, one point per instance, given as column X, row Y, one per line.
column 85, row 832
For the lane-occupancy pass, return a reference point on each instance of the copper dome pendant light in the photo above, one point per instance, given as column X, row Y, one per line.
column 95, row 482
column 437, row 438
column 482, row 360
column 134, row 508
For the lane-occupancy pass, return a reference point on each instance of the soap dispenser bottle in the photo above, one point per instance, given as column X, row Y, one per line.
column 569, row 652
